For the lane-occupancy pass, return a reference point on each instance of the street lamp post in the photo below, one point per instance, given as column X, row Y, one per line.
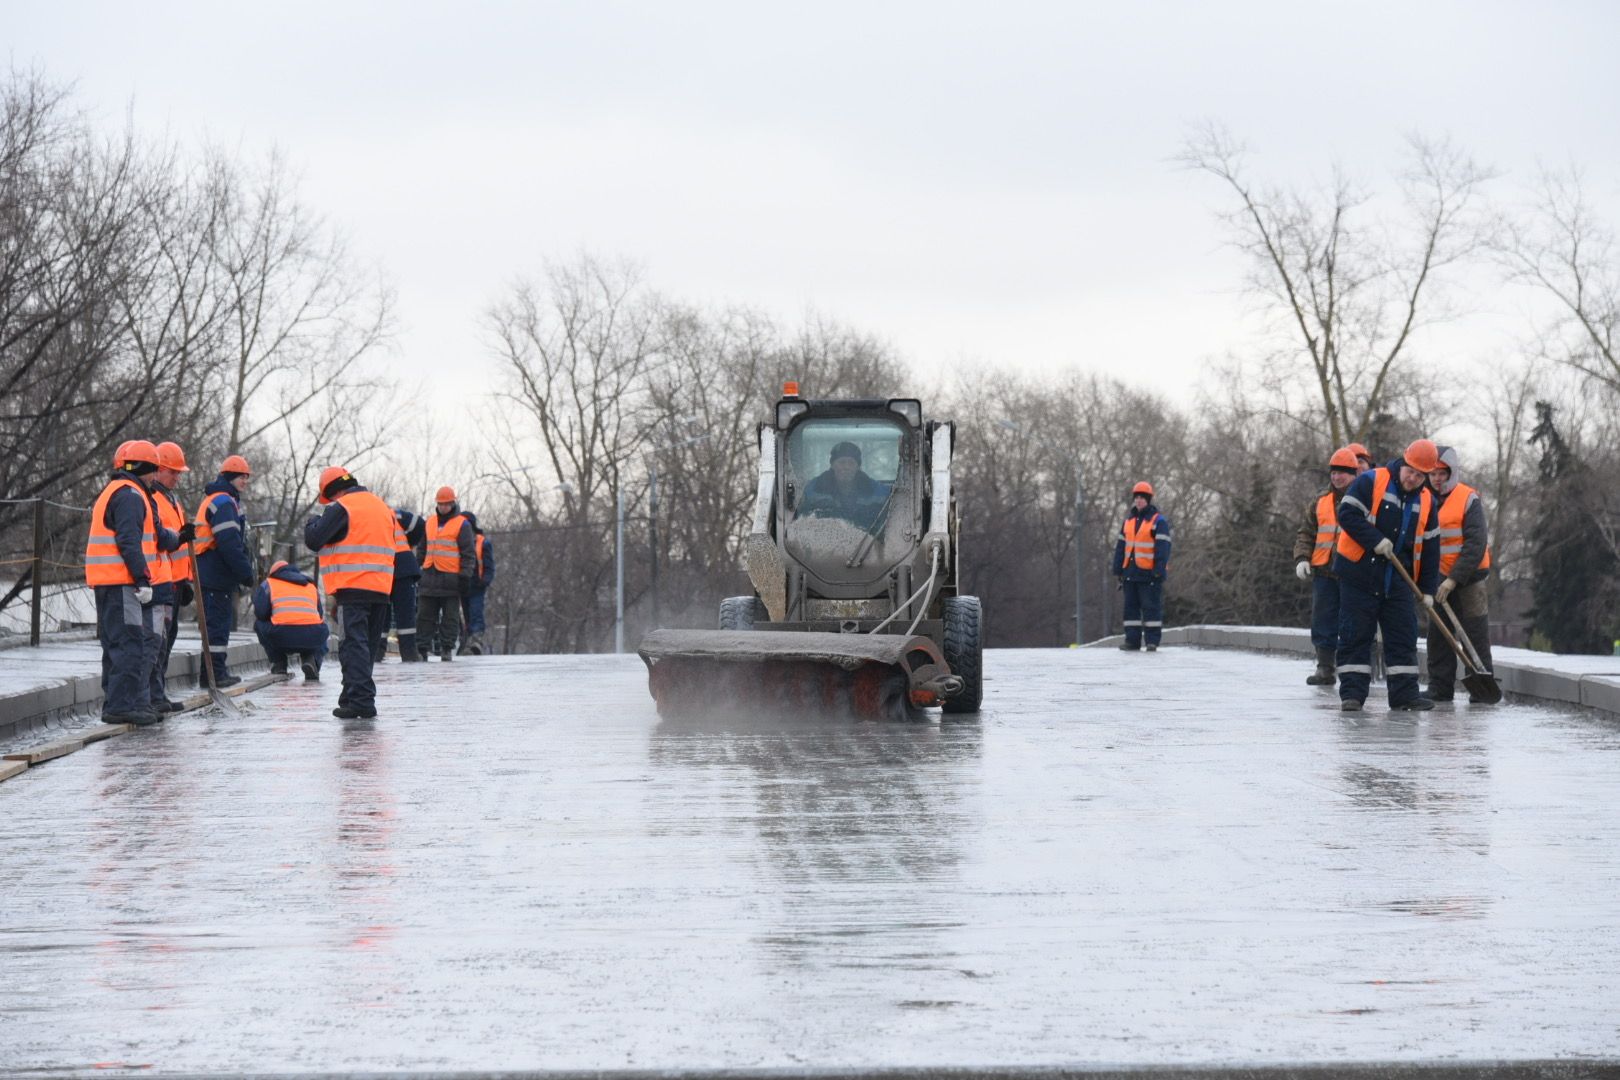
column 1079, row 558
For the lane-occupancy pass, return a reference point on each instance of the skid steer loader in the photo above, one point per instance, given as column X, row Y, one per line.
column 853, row 554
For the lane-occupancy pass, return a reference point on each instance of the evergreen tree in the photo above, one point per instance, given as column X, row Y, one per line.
column 1574, row 589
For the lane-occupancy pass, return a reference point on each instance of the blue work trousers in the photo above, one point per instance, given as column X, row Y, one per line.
column 1324, row 612
column 220, row 610
column 280, row 641
column 163, row 619
column 472, row 610
column 1361, row 614
column 128, row 650
column 1144, row 612
column 363, row 628
column 403, row 602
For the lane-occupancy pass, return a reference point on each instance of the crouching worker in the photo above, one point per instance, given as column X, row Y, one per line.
column 289, row 618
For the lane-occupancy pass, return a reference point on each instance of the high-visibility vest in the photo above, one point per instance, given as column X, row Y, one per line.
column 171, row 517
column 204, row 540
column 364, row 558
column 443, row 551
column 292, row 604
column 1452, row 511
column 1327, row 530
column 1139, row 541
column 103, row 565
column 1354, row 551
column 478, row 551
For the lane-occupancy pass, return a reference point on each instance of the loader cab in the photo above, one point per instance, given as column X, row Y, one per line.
column 849, row 496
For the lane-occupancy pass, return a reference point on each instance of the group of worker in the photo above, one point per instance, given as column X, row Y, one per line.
column 1372, row 544
column 143, row 556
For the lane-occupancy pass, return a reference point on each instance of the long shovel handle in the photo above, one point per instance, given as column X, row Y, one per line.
column 1462, row 636
column 1438, row 623
column 214, row 691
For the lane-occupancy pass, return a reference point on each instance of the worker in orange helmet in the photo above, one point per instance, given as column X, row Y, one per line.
column 1386, row 514
column 1314, row 544
column 177, row 592
column 223, row 565
column 124, row 561
column 1364, row 458
column 1141, row 561
column 449, row 560
column 356, row 539
column 1465, row 566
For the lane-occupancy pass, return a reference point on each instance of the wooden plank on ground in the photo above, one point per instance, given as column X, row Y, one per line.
column 257, row 682
column 104, row 731
column 46, row 751
column 8, row 769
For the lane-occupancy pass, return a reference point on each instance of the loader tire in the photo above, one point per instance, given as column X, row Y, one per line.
column 741, row 612
column 964, row 651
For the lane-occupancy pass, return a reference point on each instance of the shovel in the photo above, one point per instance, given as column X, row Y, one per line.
column 1473, row 655
column 226, row 704
column 1480, row 684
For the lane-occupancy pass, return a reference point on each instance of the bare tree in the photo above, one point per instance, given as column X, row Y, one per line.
column 1353, row 295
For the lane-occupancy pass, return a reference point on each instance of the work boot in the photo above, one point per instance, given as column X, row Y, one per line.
column 1151, row 648
column 1127, row 647
column 1417, row 704
column 221, row 681
column 139, row 719
column 1350, row 705
column 1434, row 693
column 169, row 705
column 347, row 712
column 447, row 656
column 277, row 668
column 312, row 669
column 1324, row 674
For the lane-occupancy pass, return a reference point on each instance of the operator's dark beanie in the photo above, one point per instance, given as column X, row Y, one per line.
column 846, row 449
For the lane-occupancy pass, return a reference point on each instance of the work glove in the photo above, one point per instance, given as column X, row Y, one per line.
column 184, row 594
column 1446, row 588
column 143, row 595
column 1428, row 602
column 188, row 532
column 1385, row 547
column 1302, row 570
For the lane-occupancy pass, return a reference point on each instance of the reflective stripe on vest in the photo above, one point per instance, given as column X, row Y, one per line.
column 1452, row 511
column 204, row 540
column 1380, row 495
column 1327, row 530
column 1138, row 534
column 103, row 565
column 443, row 551
column 171, row 517
column 364, row 558
column 292, row 604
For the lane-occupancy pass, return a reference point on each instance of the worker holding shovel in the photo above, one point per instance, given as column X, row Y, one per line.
column 1387, row 519
column 1465, row 564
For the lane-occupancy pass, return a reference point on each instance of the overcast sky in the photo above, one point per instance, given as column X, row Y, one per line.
column 985, row 183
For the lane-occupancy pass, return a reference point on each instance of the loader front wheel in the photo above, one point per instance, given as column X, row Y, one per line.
column 963, row 649
column 741, row 612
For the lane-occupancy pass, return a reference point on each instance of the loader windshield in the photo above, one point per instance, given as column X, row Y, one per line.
column 846, row 489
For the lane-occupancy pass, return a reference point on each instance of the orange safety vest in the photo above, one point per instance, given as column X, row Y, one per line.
column 204, row 540
column 363, row 559
column 443, row 551
column 1139, row 541
column 103, row 565
column 1354, row 551
column 171, row 517
column 1327, row 530
column 292, row 604
column 1452, row 511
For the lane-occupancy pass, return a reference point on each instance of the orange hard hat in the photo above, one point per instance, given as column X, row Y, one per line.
column 446, row 494
column 1359, row 450
column 329, row 475
column 277, row 565
column 170, row 456
column 1142, row 488
column 236, row 463
column 1422, row 455
column 137, row 450
column 1344, row 458
column 118, row 454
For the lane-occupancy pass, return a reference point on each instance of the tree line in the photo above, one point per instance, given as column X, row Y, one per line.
column 150, row 289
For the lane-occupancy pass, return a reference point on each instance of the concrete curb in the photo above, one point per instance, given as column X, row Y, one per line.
column 58, row 702
column 1589, row 681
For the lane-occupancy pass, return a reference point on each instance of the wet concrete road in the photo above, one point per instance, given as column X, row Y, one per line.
column 1196, row 859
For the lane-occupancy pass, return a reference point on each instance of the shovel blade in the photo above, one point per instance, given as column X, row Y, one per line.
column 1483, row 688
column 226, row 705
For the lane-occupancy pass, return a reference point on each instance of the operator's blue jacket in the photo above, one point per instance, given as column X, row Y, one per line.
column 1396, row 518
column 225, row 565
column 414, row 525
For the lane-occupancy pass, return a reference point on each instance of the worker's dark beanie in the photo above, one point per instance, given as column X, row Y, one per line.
column 342, row 483
column 846, row 449
column 138, row 468
column 229, row 476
